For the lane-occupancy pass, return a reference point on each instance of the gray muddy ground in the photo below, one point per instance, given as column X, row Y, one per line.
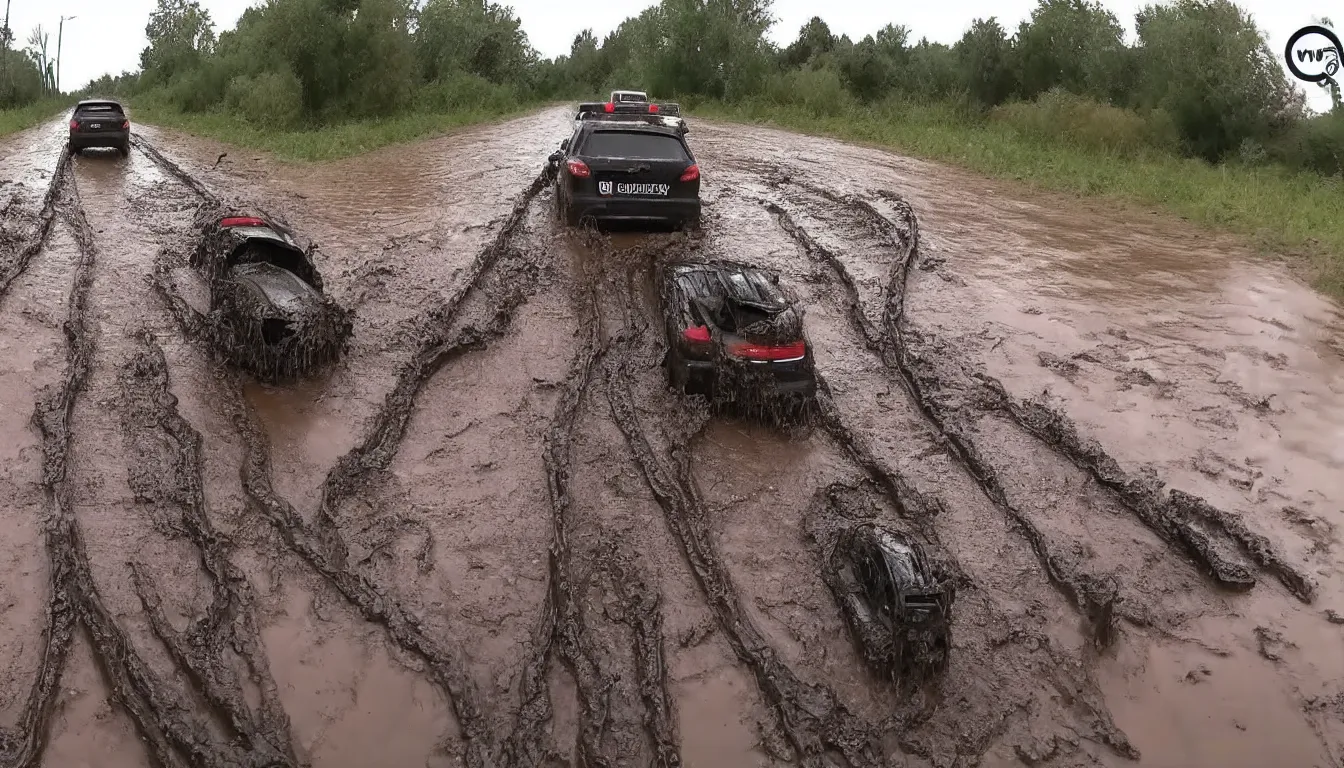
column 492, row 537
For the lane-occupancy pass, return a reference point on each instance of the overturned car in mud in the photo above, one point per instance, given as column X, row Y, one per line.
column 896, row 601
column 267, row 311
column 735, row 335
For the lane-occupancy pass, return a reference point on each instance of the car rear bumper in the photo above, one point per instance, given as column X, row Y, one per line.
column 100, row 139
column 788, row 381
column 635, row 209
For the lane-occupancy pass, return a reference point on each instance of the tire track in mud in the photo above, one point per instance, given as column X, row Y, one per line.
column 160, row 715
column 167, row 471
column 1095, row 601
column 816, row 724
column 1004, row 647
column 926, row 373
column 27, row 245
column 562, row 629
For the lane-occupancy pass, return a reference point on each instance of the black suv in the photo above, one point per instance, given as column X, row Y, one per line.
column 627, row 163
column 100, row 123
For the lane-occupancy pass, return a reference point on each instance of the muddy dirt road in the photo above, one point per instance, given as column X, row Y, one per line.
column 493, row 537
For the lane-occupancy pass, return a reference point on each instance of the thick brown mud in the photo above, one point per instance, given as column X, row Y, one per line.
column 490, row 535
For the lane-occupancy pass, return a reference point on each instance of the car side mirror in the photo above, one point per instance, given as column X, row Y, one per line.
column 564, row 145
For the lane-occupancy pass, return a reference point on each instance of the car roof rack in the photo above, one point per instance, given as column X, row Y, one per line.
column 668, row 109
column 662, row 117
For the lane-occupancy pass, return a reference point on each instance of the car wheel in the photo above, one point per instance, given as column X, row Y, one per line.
column 676, row 370
column 74, row 150
column 125, row 149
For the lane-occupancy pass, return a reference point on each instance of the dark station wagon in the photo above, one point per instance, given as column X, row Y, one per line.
column 100, row 123
column 627, row 162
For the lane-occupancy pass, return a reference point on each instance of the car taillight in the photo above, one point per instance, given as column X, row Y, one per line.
column 653, row 109
column 696, row 334
column 241, row 221
column 763, row 352
column 579, row 168
column 609, row 107
column 691, row 174
column 125, row 125
column 74, row 125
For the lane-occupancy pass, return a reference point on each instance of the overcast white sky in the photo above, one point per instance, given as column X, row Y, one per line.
column 107, row 36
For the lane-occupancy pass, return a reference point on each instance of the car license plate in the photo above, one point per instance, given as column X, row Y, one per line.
column 607, row 188
column 96, row 125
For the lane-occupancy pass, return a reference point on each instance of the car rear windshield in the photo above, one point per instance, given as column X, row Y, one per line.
column 635, row 146
column 95, row 110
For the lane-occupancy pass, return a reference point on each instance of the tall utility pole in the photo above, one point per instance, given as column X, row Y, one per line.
column 59, row 29
column 4, row 52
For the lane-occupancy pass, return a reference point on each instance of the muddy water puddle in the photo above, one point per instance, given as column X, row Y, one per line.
column 494, row 533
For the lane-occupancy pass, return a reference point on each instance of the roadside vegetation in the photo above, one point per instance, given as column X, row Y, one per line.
column 1196, row 115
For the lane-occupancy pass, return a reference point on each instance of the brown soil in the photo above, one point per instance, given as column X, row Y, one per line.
column 492, row 536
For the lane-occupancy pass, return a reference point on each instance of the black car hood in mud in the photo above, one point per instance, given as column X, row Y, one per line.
column 278, row 288
column 220, row 249
column 742, row 300
column 904, row 562
column 259, row 273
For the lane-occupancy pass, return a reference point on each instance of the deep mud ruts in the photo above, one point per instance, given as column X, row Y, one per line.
column 598, row 679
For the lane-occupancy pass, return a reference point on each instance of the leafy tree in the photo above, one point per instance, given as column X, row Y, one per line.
column 713, row 48
column 814, row 38
column 1076, row 45
column 21, row 80
column 867, row 70
column 1206, row 63
column 985, row 55
column 180, row 33
column 932, row 71
column 474, row 36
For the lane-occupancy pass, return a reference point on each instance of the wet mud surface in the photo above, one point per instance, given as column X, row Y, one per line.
column 491, row 535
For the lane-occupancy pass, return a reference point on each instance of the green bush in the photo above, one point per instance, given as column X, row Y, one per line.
column 1315, row 144
column 1082, row 122
column 267, row 100
column 817, row 92
column 462, row 92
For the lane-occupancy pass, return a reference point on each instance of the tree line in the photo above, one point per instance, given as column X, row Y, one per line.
column 26, row 74
column 1200, row 79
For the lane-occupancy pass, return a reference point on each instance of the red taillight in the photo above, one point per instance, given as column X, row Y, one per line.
column 653, row 109
column 608, row 107
column 691, row 174
column 241, row 221
column 769, row 352
column 579, row 168
column 697, row 334
column 74, row 125
column 125, row 125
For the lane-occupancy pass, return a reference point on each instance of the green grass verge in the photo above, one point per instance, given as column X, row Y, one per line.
column 1300, row 215
column 14, row 120
column 325, row 143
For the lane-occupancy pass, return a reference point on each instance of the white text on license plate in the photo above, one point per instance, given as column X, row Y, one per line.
column 96, row 125
column 627, row 188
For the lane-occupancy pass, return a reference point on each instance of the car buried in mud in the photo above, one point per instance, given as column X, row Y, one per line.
column 267, row 310
column 627, row 162
column 896, row 601
column 735, row 335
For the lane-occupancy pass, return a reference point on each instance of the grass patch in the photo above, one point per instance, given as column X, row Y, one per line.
column 1285, row 212
column 330, row 142
column 14, row 120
